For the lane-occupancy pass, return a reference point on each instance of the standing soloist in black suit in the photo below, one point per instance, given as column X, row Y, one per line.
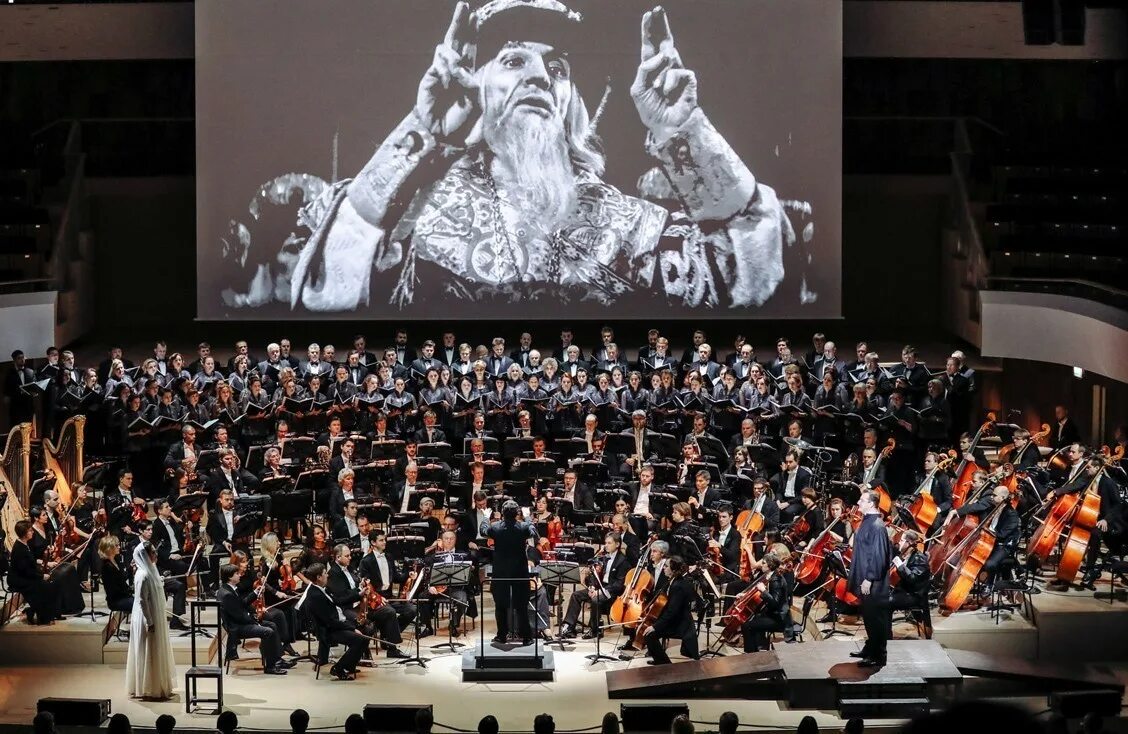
column 510, row 539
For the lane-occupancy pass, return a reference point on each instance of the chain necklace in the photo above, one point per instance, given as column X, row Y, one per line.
column 503, row 246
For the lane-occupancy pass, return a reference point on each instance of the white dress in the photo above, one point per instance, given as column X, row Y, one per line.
column 150, row 671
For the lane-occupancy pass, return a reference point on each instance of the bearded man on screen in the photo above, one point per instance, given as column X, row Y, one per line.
column 490, row 189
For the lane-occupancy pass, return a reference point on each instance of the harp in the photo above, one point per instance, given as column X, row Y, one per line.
column 65, row 460
column 15, row 472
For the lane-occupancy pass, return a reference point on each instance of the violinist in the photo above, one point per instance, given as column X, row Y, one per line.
column 27, row 578
column 1007, row 527
column 350, row 594
column 728, row 543
column 334, row 628
column 603, row 583
column 914, row 577
column 774, row 614
column 382, row 571
column 278, row 592
column 676, row 618
column 659, row 584
column 810, row 522
column 838, row 524
column 241, row 624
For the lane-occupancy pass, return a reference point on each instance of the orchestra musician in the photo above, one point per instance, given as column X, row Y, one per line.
column 580, row 495
column 1110, row 526
column 348, row 593
column 656, row 562
column 602, row 584
column 1026, row 454
column 120, row 505
column 241, row 624
column 447, row 552
column 728, row 543
column 774, row 614
column 279, row 592
column 787, row 484
column 116, row 581
column 914, row 577
column 676, row 618
column 1007, row 526
column 812, row 517
column 382, row 572
column 184, row 452
column 27, row 577
column 332, row 625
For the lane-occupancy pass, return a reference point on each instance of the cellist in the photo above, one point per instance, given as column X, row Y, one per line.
column 914, row 577
column 775, row 611
column 659, row 584
column 1110, row 527
column 676, row 618
column 1008, row 527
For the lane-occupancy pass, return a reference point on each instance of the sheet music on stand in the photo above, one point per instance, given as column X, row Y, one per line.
column 408, row 547
column 605, row 497
column 439, row 450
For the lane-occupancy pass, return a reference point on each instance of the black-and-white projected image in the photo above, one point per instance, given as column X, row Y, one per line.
column 380, row 159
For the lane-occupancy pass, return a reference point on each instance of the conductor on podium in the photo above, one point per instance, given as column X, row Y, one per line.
column 511, row 570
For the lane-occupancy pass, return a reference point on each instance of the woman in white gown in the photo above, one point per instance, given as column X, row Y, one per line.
column 150, row 671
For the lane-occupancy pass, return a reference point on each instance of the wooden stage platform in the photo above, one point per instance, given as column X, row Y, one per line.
column 920, row 675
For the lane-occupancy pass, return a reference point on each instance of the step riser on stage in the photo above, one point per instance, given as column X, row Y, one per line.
column 72, row 642
column 1060, row 617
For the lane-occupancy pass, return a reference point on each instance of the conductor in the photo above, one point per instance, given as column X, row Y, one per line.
column 511, row 538
column 869, row 580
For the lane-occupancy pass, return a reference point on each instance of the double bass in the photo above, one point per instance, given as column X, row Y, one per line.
column 967, row 468
column 1083, row 521
column 975, row 549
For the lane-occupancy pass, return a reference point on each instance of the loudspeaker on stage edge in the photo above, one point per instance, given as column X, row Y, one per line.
column 650, row 717
column 392, row 718
column 76, row 711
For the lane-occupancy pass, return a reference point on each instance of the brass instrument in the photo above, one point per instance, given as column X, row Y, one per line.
column 66, row 459
column 15, row 473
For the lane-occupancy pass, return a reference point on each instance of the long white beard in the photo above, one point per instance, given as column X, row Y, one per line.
column 533, row 153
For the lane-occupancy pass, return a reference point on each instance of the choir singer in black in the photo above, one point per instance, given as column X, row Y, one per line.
column 510, row 585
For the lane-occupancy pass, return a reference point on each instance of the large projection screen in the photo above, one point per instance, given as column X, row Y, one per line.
column 391, row 159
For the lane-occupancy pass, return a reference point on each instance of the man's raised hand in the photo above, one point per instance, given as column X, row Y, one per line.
column 448, row 91
column 664, row 92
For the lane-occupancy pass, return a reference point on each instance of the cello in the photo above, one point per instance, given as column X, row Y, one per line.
column 953, row 534
column 975, row 551
column 923, row 507
column 628, row 606
column 1084, row 520
column 967, row 468
column 1046, row 537
column 649, row 615
column 746, row 604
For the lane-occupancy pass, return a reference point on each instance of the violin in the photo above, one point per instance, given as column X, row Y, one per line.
column 370, row 601
column 139, row 512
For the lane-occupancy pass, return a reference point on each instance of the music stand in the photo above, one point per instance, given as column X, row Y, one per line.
column 194, row 567
column 606, row 497
column 456, row 573
column 417, row 659
column 559, row 573
column 437, row 450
